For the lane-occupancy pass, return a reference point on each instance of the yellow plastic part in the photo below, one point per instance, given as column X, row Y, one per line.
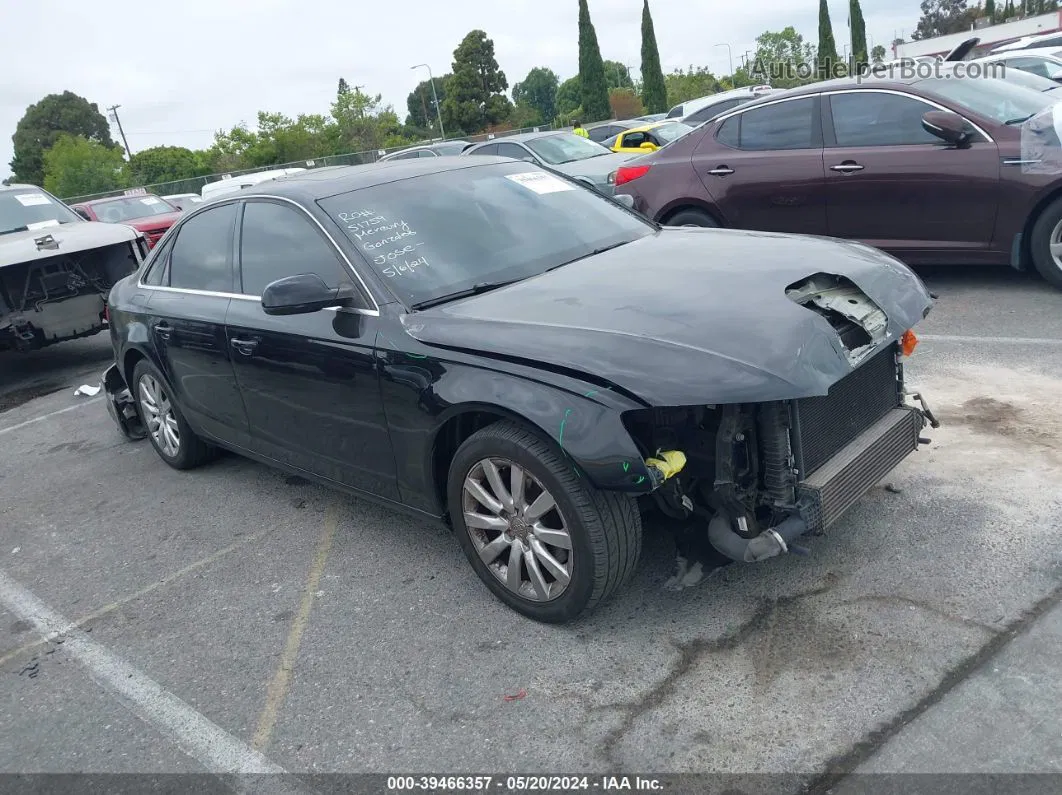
column 668, row 462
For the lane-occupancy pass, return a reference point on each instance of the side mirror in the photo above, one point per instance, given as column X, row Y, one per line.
column 625, row 199
column 648, row 147
column 82, row 213
column 947, row 126
column 303, row 294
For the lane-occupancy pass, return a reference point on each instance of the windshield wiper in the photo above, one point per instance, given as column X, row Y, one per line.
column 1018, row 121
column 15, row 229
column 593, row 253
column 475, row 289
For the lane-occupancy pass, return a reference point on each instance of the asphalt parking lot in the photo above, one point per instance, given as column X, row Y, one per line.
column 235, row 611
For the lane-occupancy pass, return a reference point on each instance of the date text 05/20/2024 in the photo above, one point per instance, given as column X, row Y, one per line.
column 507, row 784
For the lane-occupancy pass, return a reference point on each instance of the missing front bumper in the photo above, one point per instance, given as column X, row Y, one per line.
column 849, row 474
column 120, row 404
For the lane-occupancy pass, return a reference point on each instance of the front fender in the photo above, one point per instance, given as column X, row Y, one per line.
column 584, row 422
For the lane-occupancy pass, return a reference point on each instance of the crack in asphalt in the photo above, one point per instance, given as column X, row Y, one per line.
column 690, row 654
column 841, row 766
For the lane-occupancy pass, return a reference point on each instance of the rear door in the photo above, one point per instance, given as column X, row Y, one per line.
column 763, row 167
column 187, row 323
column 308, row 381
column 891, row 184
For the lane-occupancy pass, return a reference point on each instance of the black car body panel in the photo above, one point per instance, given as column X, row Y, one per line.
column 636, row 317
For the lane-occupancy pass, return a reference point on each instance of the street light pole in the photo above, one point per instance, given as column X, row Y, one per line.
column 730, row 55
column 442, row 132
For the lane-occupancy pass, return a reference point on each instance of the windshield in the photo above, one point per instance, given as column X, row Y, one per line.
column 1020, row 77
column 31, row 208
column 670, row 132
column 565, row 148
column 1003, row 101
column 450, row 148
column 115, row 211
column 433, row 235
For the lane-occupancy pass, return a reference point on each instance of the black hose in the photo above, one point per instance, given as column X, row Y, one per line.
column 750, row 550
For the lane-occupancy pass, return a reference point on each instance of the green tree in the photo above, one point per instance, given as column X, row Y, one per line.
column 166, row 164
column 617, row 75
column 827, row 54
column 941, row 17
column 625, row 103
column 859, row 34
column 364, row 124
column 344, row 86
column 682, row 85
column 654, row 87
column 524, row 115
column 421, row 103
column 76, row 166
column 594, row 89
column 538, row 91
column 569, row 96
column 44, row 122
column 475, row 97
column 877, row 55
column 990, row 9
column 783, row 58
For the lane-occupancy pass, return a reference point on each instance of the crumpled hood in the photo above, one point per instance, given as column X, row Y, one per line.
column 19, row 247
column 685, row 316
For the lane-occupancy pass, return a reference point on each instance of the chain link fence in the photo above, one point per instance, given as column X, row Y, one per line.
column 195, row 184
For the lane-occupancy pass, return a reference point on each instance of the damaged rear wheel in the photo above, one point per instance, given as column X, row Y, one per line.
column 166, row 427
column 545, row 542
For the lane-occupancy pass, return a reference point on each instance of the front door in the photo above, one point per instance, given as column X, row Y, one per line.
column 763, row 168
column 891, row 184
column 309, row 381
column 187, row 323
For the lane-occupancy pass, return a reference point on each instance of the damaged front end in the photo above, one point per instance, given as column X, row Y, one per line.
column 764, row 474
column 51, row 298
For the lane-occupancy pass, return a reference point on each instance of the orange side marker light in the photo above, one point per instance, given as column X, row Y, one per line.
column 908, row 342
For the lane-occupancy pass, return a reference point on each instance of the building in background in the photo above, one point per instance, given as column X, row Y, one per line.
column 991, row 36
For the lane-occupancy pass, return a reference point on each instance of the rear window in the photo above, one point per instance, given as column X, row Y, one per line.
column 786, row 125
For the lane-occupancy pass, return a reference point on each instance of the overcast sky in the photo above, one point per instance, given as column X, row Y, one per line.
column 182, row 70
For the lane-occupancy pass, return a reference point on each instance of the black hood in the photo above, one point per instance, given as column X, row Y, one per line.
column 685, row 316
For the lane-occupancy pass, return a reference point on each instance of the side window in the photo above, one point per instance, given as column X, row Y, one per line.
column 601, row 133
column 157, row 269
column 406, row 156
column 870, row 118
column 278, row 241
column 786, row 125
column 513, row 151
column 712, row 111
column 1038, row 66
column 489, row 149
column 427, row 153
column 729, row 133
column 201, row 258
column 633, row 140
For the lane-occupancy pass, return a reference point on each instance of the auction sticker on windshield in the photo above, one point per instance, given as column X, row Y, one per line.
column 540, row 182
column 31, row 199
column 150, row 200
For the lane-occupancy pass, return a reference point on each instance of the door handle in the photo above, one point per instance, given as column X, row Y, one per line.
column 163, row 330
column 244, row 345
column 847, row 167
column 721, row 171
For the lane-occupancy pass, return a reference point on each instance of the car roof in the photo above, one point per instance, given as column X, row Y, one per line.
column 530, row 136
column 654, row 124
column 106, row 199
column 321, row 183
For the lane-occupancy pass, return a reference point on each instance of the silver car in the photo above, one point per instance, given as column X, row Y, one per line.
column 566, row 152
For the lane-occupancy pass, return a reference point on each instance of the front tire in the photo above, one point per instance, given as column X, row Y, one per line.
column 1046, row 243
column 547, row 543
column 169, row 432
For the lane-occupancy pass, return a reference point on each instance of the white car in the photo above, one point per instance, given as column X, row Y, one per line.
column 718, row 103
column 223, row 187
column 1042, row 64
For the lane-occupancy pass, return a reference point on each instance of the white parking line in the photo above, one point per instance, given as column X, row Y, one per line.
column 990, row 340
column 48, row 416
column 199, row 737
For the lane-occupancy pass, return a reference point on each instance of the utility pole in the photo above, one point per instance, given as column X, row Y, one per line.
column 730, row 55
column 114, row 112
column 438, row 112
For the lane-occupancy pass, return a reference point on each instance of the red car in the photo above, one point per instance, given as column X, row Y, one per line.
column 936, row 169
column 145, row 213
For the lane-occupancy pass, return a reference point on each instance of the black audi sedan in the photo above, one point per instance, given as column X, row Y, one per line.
column 493, row 344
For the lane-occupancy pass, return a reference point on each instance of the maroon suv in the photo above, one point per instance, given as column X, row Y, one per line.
column 939, row 169
column 144, row 212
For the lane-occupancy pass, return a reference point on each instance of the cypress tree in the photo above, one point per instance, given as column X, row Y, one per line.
column 827, row 54
column 859, row 34
column 594, row 87
column 990, row 9
column 654, row 89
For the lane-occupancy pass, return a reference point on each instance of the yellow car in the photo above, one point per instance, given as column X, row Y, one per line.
column 648, row 137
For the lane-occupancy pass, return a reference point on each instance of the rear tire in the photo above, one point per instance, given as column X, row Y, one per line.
column 592, row 538
column 168, row 431
column 692, row 217
column 1047, row 231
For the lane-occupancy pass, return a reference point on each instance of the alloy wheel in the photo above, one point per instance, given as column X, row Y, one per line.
column 157, row 411
column 517, row 529
column 1056, row 245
